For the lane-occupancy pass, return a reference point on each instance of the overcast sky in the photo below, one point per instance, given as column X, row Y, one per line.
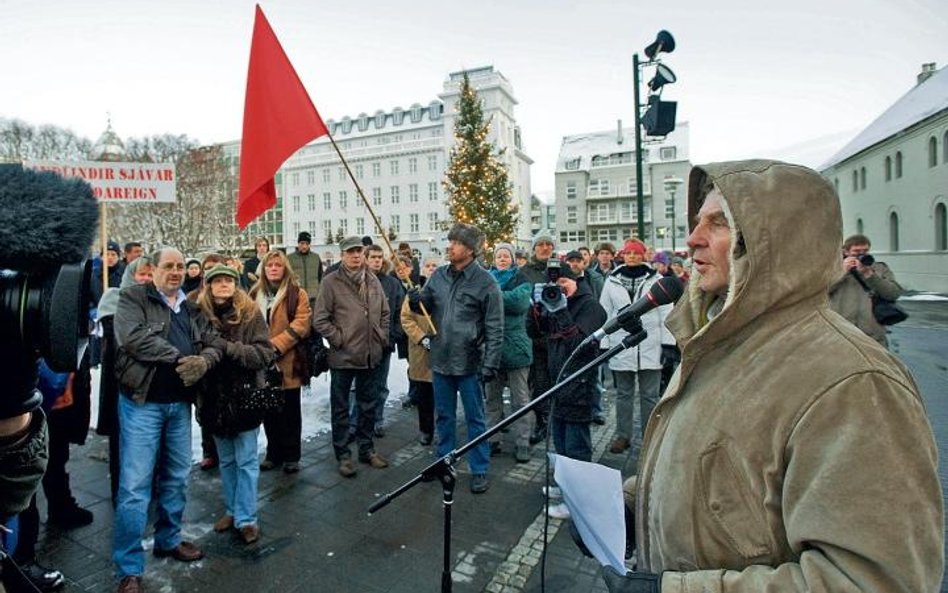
column 752, row 81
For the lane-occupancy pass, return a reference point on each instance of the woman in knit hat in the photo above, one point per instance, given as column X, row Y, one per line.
column 247, row 353
column 516, row 354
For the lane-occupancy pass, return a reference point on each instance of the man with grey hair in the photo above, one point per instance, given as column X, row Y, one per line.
column 164, row 348
column 466, row 305
column 790, row 452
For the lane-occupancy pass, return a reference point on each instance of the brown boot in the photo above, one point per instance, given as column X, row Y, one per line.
column 375, row 460
column 249, row 533
column 131, row 584
column 619, row 445
column 346, row 469
column 224, row 524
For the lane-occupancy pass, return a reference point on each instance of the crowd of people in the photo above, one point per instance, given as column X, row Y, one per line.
column 182, row 336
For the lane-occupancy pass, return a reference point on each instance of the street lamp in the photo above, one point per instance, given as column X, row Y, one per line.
column 659, row 116
column 671, row 186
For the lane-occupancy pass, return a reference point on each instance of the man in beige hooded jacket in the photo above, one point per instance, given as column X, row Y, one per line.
column 790, row 452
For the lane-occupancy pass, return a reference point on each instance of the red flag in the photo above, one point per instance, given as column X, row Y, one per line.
column 279, row 119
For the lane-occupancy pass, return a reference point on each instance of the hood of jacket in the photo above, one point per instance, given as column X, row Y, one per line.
column 774, row 265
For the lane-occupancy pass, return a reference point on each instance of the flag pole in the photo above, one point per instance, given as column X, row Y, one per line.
column 378, row 224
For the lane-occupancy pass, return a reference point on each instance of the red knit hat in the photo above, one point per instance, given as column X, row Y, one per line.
column 633, row 245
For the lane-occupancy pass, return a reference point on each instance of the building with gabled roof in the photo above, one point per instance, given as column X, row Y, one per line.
column 892, row 182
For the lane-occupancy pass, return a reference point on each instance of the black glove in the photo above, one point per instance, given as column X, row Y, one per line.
column 414, row 299
column 425, row 343
column 488, row 374
column 633, row 582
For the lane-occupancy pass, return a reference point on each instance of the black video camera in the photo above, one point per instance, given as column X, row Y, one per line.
column 551, row 291
column 47, row 224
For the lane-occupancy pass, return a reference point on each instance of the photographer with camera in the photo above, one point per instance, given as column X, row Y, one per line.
column 567, row 312
column 850, row 298
column 535, row 272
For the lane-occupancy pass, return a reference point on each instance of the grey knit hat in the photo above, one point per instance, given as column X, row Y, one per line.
column 543, row 237
column 468, row 235
column 508, row 247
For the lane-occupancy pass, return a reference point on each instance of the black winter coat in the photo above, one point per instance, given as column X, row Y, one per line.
column 565, row 331
column 395, row 295
column 246, row 356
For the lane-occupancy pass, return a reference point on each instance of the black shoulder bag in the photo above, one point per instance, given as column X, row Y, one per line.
column 885, row 311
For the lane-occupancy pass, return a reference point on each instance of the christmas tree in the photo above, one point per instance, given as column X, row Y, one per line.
column 476, row 183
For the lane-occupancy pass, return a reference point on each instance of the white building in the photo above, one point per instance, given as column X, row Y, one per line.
column 398, row 158
column 596, row 189
column 892, row 181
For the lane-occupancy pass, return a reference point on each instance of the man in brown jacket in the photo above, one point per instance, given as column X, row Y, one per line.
column 352, row 313
column 850, row 299
column 790, row 451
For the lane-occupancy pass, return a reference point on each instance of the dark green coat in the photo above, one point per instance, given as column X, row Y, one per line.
column 517, row 351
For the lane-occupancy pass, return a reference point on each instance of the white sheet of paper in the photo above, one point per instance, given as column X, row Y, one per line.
column 593, row 494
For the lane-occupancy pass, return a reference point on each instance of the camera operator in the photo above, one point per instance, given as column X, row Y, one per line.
column 850, row 299
column 567, row 312
column 535, row 272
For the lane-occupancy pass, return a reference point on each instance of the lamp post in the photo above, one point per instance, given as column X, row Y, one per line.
column 659, row 117
column 671, row 186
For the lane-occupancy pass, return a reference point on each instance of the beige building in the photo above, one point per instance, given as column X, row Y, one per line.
column 596, row 189
column 892, row 181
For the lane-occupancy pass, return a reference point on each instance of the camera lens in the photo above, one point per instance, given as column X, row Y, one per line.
column 551, row 293
column 866, row 259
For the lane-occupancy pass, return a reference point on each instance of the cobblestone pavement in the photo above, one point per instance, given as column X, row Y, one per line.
column 317, row 535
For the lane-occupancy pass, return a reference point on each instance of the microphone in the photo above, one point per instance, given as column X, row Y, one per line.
column 664, row 292
column 45, row 220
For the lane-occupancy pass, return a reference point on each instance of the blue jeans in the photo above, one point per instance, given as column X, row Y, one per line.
column 239, row 472
column 381, row 388
column 446, row 390
column 150, row 432
column 572, row 439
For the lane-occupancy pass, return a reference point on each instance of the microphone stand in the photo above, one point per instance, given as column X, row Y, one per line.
column 443, row 469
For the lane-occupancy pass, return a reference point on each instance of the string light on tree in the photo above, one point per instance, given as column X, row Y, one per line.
column 476, row 183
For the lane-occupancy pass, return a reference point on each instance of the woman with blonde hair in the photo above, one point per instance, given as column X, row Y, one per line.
column 285, row 307
column 247, row 353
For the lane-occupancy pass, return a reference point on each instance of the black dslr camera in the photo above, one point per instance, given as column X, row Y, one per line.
column 551, row 291
column 866, row 259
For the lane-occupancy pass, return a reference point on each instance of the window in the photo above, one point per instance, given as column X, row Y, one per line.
column 376, row 169
column 668, row 153
column 343, row 200
column 862, row 178
column 669, row 208
column 327, row 227
column 412, row 165
column 941, row 228
column 572, row 164
column 393, row 167
column 394, row 225
column 376, row 196
column 898, row 165
column 571, row 215
column 360, row 170
column 412, row 192
column 295, row 179
column 432, row 221
column 600, row 161
column 855, row 181
column 944, row 148
column 413, row 223
column 606, row 235
column 311, row 202
column 342, row 173
column 859, row 226
column 296, row 203
column 326, row 175
column 327, row 201
column 310, row 177
column 433, row 162
column 312, row 227
column 572, row 236
column 893, row 232
column 296, row 228
column 932, row 152
column 433, row 191
column 598, row 187
column 344, row 226
column 395, row 196
column 570, row 190
column 888, row 168
column 360, row 226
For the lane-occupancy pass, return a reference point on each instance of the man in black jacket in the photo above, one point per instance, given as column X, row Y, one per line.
column 566, row 321
column 536, row 272
column 467, row 308
column 163, row 351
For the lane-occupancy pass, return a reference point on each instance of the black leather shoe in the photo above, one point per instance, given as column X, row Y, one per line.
column 33, row 576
